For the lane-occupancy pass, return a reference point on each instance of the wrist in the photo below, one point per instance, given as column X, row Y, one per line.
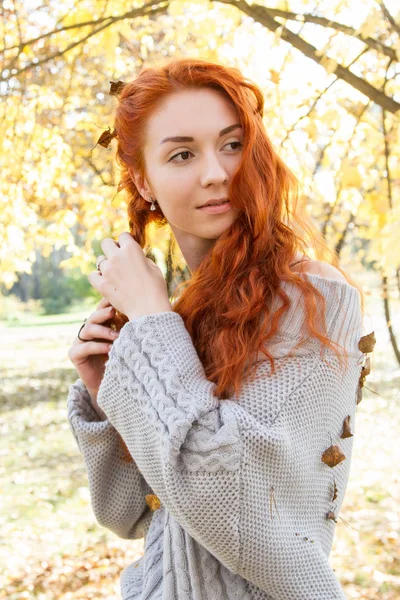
column 95, row 406
column 160, row 309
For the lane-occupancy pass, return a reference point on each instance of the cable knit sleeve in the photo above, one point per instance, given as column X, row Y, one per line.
column 248, row 485
column 117, row 488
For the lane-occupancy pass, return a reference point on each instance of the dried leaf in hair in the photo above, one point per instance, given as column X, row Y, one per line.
column 116, row 87
column 346, row 433
column 333, row 456
column 152, row 501
column 106, row 138
column 367, row 342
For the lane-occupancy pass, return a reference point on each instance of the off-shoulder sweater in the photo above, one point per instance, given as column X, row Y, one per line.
column 232, row 496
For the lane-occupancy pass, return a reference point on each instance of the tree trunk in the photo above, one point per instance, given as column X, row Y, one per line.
column 385, row 294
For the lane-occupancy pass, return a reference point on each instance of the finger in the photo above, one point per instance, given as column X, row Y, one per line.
column 110, row 247
column 99, row 260
column 81, row 351
column 93, row 331
column 96, row 279
column 104, row 303
column 126, row 238
column 101, row 315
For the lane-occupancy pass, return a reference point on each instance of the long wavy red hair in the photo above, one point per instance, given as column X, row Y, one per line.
column 222, row 302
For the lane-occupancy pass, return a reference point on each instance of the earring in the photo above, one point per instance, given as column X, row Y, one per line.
column 153, row 206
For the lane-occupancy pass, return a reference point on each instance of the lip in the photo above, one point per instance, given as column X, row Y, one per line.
column 216, row 209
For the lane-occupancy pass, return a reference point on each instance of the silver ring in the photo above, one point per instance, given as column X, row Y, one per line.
column 99, row 261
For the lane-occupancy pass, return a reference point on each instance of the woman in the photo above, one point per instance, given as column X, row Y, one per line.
column 233, row 402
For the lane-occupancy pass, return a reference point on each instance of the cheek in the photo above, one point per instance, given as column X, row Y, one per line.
column 175, row 185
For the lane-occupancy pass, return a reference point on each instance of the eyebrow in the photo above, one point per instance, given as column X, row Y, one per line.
column 184, row 138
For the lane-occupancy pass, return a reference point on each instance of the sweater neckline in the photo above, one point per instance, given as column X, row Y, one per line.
column 343, row 315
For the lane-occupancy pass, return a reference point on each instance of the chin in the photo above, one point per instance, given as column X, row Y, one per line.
column 216, row 229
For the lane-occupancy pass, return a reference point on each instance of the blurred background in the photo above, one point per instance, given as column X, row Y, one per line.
column 330, row 72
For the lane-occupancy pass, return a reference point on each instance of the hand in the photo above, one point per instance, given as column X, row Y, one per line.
column 132, row 283
column 89, row 358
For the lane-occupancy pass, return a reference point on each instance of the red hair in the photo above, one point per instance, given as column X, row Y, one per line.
column 222, row 303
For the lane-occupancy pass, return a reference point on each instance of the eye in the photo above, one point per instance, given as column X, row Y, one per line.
column 185, row 156
column 237, row 145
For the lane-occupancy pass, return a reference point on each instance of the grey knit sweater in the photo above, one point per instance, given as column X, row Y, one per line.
column 232, row 497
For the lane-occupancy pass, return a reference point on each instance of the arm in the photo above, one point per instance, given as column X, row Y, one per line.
column 213, row 464
column 117, row 488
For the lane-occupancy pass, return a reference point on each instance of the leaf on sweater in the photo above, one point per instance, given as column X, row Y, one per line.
column 335, row 491
column 333, row 456
column 367, row 342
column 152, row 501
column 346, row 433
column 359, row 395
column 126, row 457
column 331, row 516
column 366, row 370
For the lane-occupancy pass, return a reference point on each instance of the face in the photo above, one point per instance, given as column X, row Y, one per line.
column 192, row 150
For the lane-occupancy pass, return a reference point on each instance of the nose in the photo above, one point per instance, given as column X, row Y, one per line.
column 213, row 171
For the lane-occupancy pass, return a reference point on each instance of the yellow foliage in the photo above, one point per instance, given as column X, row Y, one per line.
column 350, row 175
column 54, row 187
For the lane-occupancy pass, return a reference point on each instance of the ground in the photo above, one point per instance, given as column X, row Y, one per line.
column 53, row 549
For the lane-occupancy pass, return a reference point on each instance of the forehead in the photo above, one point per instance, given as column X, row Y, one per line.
column 195, row 113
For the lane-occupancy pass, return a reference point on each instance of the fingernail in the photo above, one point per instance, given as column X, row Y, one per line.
column 115, row 334
column 109, row 347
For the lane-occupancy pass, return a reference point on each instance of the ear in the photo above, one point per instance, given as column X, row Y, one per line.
column 141, row 184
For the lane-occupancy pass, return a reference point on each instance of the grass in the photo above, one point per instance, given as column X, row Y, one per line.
column 51, row 546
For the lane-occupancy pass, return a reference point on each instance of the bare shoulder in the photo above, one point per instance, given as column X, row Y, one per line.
column 322, row 269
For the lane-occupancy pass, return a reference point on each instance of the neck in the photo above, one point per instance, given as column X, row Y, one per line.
column 193, row 248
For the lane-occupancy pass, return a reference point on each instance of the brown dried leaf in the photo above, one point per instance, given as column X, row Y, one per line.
column 367, row 342
column 126, row 456
column 366, row 370
column 335, row 491
column 333, row 456
column 106, row 138
column 331, row 515
column 116, row 87
column 359, row 394
column 152, row 501
column 346, row 433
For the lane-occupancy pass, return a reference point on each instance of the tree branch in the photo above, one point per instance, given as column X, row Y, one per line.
column 390, row 18
column 94, row 22
column 327, row 23
column 97, row 171
column 316, row 100
column 143, row 11
column 262, row 15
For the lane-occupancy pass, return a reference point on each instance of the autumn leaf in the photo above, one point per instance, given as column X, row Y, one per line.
column 116, row 87
column 367, row 342
column 346, row 433
column 335, row 491
column 331, row 515
column 106, row 138
column 152, row 501
column 275, row 77
column 333, row 456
